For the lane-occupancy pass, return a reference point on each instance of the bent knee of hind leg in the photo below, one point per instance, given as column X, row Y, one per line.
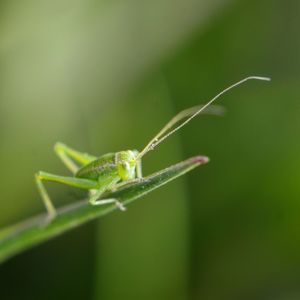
column 37, row 175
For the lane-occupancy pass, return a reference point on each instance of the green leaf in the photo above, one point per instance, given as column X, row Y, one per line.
column 22, row 236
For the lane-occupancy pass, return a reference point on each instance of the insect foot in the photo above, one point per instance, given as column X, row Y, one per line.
column 109, row 201
column 45, row 197
column 50, row 218
column 120, row 206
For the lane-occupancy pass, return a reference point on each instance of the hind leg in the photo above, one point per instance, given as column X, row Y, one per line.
column 71, row 181
column 69, row 156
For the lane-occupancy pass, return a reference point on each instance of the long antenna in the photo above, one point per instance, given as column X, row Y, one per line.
column 191, row 113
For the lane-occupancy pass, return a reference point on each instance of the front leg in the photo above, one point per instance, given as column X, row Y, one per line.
column 126, row 183
column 108, row 201
column 109, row 185
column 139, row 173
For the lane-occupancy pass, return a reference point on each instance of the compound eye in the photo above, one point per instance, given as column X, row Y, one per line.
column 126, row 166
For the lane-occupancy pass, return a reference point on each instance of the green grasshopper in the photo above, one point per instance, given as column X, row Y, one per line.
column 113, row 170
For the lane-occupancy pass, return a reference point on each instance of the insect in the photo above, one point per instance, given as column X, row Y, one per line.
column 113, row 170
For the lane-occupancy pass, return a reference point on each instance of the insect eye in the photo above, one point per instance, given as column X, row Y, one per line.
column 126, row 165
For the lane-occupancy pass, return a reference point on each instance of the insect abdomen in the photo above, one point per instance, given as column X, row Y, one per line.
column 103, row 166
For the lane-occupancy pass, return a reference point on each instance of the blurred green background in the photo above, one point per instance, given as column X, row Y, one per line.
column 104, row 76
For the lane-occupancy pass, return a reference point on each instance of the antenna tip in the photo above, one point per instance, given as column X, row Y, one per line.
column 260, row 78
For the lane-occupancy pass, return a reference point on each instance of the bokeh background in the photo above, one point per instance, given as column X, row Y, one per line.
column 104, row 76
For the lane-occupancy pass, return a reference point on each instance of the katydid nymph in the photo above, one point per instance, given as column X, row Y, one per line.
column 109, row 172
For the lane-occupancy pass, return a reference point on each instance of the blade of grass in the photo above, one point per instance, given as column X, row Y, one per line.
column 36, row 230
